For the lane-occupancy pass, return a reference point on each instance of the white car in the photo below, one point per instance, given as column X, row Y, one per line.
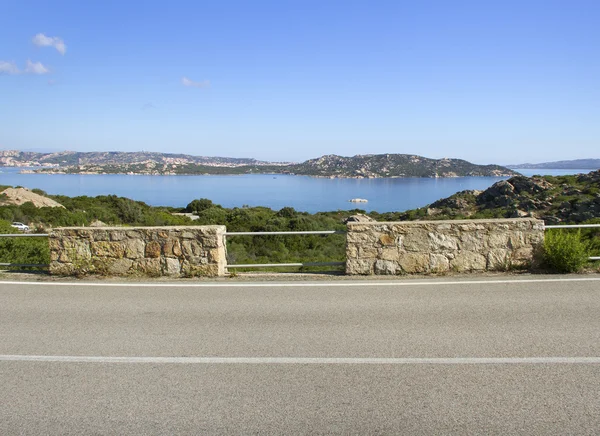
column 20, row 226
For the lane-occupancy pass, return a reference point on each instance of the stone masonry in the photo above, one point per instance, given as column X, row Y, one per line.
column 442, row 246
column 140, row 251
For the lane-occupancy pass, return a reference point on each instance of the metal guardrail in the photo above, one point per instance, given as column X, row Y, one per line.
column 271, row 265
column 29, row 265
column 259, row 265
column 283, row 265
column 571, row 226
column 24, row 235
column 307, row 232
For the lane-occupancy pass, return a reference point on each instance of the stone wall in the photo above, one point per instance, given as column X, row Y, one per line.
column 442, row 246
column 140, row 251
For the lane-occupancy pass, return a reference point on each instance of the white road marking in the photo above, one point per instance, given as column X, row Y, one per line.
column 299, row 284
column 308, row 360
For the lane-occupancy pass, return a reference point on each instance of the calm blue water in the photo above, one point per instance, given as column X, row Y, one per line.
column 275, row 191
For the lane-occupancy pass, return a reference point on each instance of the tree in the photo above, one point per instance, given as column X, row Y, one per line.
column 287, row 212
column 199, row 205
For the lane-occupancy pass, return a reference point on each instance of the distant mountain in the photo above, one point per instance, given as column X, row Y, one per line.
column 73, row 158
column 360, row 166
column 577, row 164
column 394, row 165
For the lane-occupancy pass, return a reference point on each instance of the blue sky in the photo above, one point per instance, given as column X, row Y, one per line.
column 487, row 81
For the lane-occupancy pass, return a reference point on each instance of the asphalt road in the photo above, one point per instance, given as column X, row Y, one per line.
column 440, row 356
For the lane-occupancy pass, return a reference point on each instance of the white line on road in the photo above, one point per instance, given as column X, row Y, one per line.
column 308, row 360
column 345, row 283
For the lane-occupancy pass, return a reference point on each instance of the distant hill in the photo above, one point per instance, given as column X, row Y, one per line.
column 577, row 164
column 394, row 165
column 74, row 158
column 360, row 166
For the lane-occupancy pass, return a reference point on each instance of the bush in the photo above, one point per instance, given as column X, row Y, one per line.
column 565, row 251
column 199, row 205
column 22, row 250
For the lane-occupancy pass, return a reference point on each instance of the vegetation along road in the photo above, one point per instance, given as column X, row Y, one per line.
column 417, row 356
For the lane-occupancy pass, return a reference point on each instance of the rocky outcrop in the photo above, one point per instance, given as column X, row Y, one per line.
column 461, row 200
column 571, row 199
column 138, row 251
column 359, row 218
column 504, row 192
column 19, row 196
column 442, row 246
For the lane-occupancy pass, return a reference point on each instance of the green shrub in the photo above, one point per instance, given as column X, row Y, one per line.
column 565, row 251
column 22, row 250
column 199, row 205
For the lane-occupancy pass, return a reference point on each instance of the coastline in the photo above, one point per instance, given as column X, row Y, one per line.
column 317, row 176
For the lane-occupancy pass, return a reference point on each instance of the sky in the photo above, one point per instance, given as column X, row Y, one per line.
column 487, row 81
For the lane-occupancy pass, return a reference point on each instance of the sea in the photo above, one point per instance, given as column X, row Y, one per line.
column 303, row 193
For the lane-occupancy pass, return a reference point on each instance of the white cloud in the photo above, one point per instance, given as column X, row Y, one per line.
column 36, row 68
column 30, row 68
column 42, row 40
column 187, row 82
column 7, row 67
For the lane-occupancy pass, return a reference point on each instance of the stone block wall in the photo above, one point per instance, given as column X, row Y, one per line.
column 442, row 246
column 141, row 251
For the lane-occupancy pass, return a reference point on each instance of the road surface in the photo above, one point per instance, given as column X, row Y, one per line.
column 432, row 356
